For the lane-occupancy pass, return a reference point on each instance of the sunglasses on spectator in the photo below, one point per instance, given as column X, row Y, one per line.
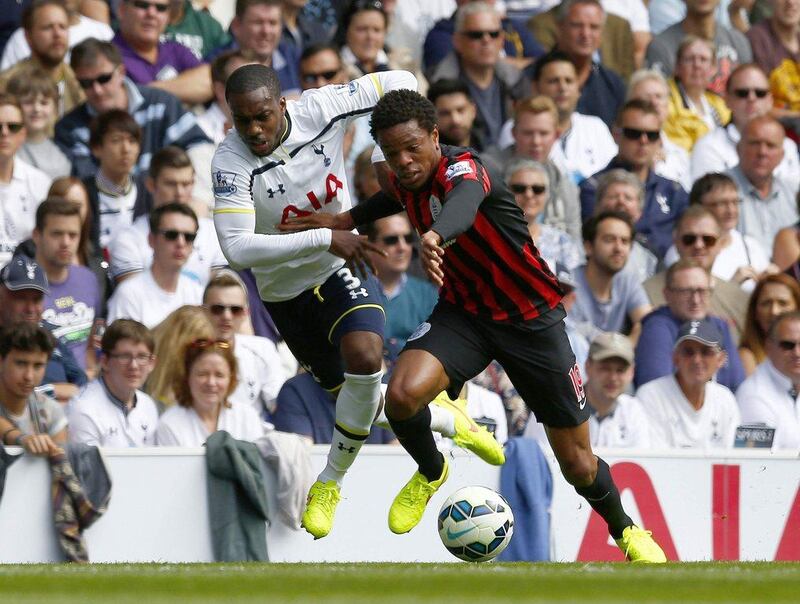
column 218, row 309
column 102, row 79
column 788, row 345
column 127, row 358
column 690, row 239
column 703, row 351
column 312, row 78
column 172, row 235
column 12, row 127
column 395, row 239
column 144, row 5
column 477, row 34
column 207, row 343
column 520, row 189
column 634, row 134
column 744, row 93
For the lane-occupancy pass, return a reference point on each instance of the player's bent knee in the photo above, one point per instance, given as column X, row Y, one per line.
column 402, row 401
column 580, row 469
column 363, row 356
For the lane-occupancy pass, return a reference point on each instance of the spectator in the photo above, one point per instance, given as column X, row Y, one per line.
column 38, row 97
column 203, row 400
column 477, row 45
column 22, row 187
column 686, row 410
column 672, row 160
column 731, row 45
column 98, row 67
column 409, row 300
column 196, row 29
column 149, row 296
column 260, row 372
column 768, row 202
column 28, row 418
column 529, row 183
column 455, row 114
column 112, row 411
column 170, row 180
column 617, row 419
column 115, row 197
column 693, row 109
column 748, row 96
column 216, row 120
column 23, row 285
column 81, row 27
column 638, row 132
column 769, row 396
column 73, row 304
column 585, row 144
column 535, row 132
column 168, row 65
column 773, row 296
column 687, row 290
column 621, row 191
column 609, row 298
column 786, row 251
column 697, row 237
column 320, row 65
column 362, row 36
column 46, row 24
column 300, row 31
column 777, row 38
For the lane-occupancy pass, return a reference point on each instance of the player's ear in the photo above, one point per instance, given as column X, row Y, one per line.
column 435, row 137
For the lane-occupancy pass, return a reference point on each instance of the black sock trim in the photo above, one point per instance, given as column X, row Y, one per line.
column 349, row 434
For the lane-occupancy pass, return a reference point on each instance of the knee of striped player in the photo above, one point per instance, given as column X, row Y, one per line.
column 358, row 401
column 403, row 400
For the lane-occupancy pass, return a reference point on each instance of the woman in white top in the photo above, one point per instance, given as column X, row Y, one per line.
column 202, row 396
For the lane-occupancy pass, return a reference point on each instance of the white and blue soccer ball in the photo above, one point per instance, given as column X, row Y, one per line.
column 476, row 524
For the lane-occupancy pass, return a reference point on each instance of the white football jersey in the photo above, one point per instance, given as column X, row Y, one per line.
column 304, row 174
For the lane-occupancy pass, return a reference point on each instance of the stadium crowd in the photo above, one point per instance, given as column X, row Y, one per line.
column 652, row 147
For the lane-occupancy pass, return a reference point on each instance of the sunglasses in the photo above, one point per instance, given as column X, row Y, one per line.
column 479, row 34
column 172, row 235
column 218, row 309
column 634, row 134
column 207, row 343
column 144, row 5
column 12, row 127
column 690, row 239
column 744, row 93
column 520, row 189
column 102, row 79
column 787, row 345
column 704, row 351
column 312, row 78
column 395, row 239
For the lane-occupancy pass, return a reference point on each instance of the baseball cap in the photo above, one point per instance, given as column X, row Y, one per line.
column 611, row 346
column 703, row 331
column 24, row 273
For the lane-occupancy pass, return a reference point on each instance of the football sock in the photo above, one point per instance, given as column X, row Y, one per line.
column 356, row 405
column 603, row 496
column 416, row 437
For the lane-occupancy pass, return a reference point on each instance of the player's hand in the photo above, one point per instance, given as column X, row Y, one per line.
column 357, row 250
column 40, row 444
column 336, row 222
column 431, row 254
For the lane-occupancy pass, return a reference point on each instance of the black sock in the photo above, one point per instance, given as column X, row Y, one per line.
column 416, row 437
column 603, row 496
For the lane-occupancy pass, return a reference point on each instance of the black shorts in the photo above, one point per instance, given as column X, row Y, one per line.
column 535, row 354
column 313, row 323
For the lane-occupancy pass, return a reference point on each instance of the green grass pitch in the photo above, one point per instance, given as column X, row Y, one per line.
column 762, row 582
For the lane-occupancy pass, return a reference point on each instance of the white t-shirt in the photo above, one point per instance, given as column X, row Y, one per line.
column 304, row 174
column 261, row 372
column 131, row 253
column 633, row 11
column 675, row 164
column 584, row 149
column 212, row 121
column 182, row 427
column 19, row 199
column 116, row 214
column 676, row 424
column 140, row 298
column 50, row 415
column 766, row 397
column 626, row 426
column 95, row 419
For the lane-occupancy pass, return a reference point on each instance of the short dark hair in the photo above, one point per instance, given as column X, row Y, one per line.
column 25, row 337
column 447, row 86
column 219, row 66
column 242, row 6
column 592, row 225
column 315, row 49
column 113, row 120
column 55, row 206
column 642, row 105
column 554, row 56
column 87, row 52
column 400, row 106
column 707, row 183
column 792, row 315
column 126, row 329
column 252, row 77
column 173, row 207
column 168, row 157
column 29, row 13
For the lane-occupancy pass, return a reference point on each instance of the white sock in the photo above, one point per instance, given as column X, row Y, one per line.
column 442, row 421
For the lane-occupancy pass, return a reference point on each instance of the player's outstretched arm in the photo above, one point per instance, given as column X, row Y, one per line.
column 378, row 206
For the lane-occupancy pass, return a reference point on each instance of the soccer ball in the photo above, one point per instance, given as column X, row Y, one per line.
column 476, row 524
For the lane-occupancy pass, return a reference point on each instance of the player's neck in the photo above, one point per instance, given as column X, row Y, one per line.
column 694, row 393
column 166, row 278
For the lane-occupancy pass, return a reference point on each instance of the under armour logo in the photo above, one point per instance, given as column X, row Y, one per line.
column 321, row 151
column 280, row 190
column 348, row 449
column 112, row 431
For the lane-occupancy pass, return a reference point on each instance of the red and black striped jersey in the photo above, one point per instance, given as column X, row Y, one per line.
column 491, row 269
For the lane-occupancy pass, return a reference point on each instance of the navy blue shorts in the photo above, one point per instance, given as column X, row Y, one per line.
column 313, row 323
